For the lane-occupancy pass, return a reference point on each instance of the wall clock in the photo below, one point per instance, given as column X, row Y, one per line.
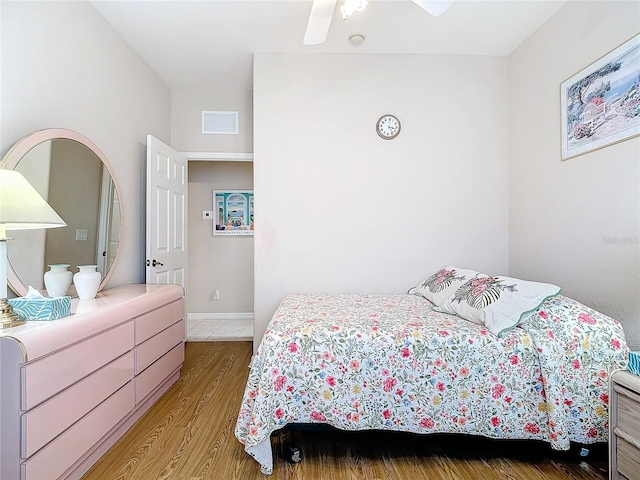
column 388, row 126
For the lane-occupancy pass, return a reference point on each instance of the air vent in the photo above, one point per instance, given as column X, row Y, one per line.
column 220, row 123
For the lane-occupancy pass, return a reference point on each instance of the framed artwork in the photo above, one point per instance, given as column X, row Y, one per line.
column 233, row 212
column 600, row 105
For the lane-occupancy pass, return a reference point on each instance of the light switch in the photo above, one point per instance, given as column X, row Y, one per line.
column 207, row 214
column 81, row 234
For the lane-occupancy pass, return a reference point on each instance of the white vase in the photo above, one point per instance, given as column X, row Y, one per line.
column 87, row 281
column 57, row 280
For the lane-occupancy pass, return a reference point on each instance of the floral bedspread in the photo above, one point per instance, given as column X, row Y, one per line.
column 390, row 362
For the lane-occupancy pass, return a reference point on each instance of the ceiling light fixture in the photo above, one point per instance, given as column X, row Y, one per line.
column 434, row 7
column 350, row 6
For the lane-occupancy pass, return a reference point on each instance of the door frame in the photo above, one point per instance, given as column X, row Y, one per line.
column 215, row 157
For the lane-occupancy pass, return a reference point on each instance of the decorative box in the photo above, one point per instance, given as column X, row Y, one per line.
column 634, row 362
column 41, row 308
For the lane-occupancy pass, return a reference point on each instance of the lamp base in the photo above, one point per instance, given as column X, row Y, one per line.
column 8, row 319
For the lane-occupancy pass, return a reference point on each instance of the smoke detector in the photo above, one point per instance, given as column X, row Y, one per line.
column 356, row 39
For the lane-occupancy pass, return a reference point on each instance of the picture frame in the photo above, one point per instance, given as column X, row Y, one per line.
column 600, row 105
column 233, row 212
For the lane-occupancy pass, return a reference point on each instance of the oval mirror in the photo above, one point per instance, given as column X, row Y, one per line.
column 74, row 176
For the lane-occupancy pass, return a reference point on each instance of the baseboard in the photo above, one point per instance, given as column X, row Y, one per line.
column 220, row 316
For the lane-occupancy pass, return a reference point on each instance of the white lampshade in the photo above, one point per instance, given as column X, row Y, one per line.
column 21, row 206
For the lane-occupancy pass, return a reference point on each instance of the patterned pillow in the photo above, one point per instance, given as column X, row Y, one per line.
column 497, row 302
column 442, row 284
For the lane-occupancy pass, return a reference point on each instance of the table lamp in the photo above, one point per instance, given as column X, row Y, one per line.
column 21, row 208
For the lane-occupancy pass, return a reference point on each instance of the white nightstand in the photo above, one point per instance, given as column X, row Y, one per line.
column 624, row 426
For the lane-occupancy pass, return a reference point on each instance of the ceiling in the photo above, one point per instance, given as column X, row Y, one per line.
column 197, row 43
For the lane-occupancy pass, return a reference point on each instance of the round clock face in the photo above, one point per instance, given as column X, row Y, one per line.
column 388, row 127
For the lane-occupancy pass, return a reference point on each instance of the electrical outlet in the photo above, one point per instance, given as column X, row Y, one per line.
column 207, row 214
column 216, row 294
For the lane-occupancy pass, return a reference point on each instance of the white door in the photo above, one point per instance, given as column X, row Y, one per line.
column 167, row 188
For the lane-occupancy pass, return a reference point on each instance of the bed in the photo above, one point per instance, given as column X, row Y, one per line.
column 406, row 363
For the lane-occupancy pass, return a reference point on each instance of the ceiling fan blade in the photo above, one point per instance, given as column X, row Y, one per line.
column 319, row 21
column 434, row 7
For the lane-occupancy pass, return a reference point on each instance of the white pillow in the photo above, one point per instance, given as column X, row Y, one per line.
column 442, row 284
column 497, row 302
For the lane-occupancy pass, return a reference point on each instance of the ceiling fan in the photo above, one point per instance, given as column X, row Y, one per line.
column 322, row 12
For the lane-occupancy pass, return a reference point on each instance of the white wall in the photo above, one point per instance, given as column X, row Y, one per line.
column 340, row 210
column 574, row 223
column 63, row 66
column 186, row 120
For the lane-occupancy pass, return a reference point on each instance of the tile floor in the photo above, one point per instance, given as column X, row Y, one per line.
column 219, row 330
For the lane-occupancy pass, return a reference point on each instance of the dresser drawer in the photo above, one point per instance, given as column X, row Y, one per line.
column 628, row 411
column 46, row 377
column 149, row 351
column 153, row 376
column 49, row 419
column 56, row 458
column 151, row 323
column 50, row 375
column 628, row 459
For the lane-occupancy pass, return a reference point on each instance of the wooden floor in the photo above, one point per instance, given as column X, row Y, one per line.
column 189, row 435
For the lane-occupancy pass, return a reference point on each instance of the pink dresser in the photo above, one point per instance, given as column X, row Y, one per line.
column 71, row 387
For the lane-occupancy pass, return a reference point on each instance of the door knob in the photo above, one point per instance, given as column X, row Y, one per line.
column 154, row 263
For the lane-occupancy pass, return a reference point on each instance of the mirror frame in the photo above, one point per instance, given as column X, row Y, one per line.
column 20, row 149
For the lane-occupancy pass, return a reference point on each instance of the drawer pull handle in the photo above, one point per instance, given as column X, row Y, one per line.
column 624, row 435
column 627, row 393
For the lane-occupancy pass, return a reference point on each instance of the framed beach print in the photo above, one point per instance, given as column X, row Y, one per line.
column 600, row 105
column 233, row 212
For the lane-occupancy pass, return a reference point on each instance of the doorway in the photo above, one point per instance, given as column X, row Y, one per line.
column 220, row 267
